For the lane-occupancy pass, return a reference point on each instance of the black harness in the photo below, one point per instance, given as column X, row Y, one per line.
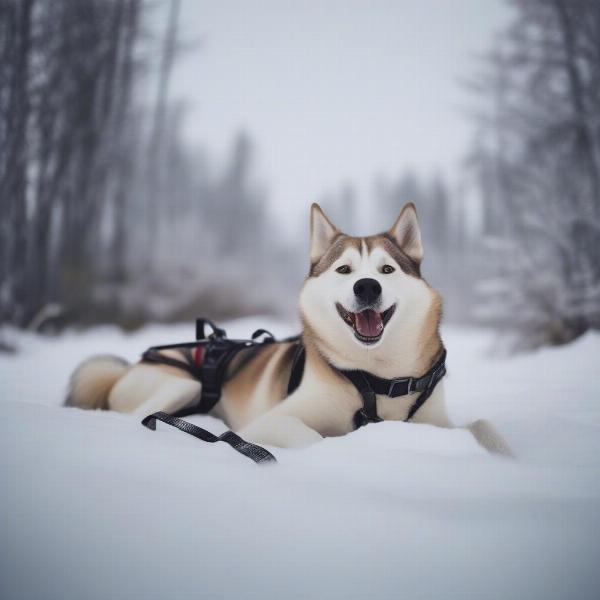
column 217, row 352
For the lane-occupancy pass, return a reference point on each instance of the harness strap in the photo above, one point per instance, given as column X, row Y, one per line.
column 432, row 378
column 217, row 355
column 369, row 385
column 206, row 360
column 400, row 386
column 368, row 412
column 269, row 337
column 152, row 355
column 201, row 334
column 252, row 451
column 297, row 371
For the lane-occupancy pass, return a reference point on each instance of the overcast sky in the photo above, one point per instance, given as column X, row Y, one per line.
column 332, row 91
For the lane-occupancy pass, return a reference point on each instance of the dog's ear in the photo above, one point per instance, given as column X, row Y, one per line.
column 407, row 234
column 322, row 233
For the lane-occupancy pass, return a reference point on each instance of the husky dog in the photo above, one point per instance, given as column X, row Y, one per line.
column 364, row 306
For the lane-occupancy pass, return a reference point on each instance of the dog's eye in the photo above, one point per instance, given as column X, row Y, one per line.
column 387, row 269
column 344, row 269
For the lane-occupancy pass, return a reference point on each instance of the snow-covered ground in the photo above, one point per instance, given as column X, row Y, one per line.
column 93, row 505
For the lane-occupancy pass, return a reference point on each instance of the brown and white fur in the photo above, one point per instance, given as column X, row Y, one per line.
column 254, row 401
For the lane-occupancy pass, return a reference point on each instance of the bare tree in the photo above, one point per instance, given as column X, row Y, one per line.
column 66, row 76
column 157, row 152
column 16, row 25
column 106, row 211
column 538, row 159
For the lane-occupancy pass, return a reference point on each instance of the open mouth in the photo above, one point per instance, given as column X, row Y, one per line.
column 368, row 325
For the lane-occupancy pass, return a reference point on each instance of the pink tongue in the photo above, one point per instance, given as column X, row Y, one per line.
column 369, row 323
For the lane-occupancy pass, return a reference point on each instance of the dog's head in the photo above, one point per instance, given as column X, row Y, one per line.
column 366, row 294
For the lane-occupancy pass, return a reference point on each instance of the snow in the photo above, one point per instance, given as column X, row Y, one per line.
column 93, row 505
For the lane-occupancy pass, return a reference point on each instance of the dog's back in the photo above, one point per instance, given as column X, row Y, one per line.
column 256, row 380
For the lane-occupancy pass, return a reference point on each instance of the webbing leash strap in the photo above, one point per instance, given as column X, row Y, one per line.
column 254, row 452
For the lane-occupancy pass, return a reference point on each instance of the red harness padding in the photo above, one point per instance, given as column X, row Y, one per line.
column 198, row 355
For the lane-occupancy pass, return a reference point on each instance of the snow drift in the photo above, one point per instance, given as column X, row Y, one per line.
column 96, row 506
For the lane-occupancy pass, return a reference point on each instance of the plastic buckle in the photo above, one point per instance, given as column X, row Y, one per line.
column 396, row 382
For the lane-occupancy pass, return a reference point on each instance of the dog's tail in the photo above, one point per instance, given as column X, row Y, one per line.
column 92, row 381
column 488, row 437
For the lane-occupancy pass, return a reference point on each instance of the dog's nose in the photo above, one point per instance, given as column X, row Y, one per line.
column 367, row 290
